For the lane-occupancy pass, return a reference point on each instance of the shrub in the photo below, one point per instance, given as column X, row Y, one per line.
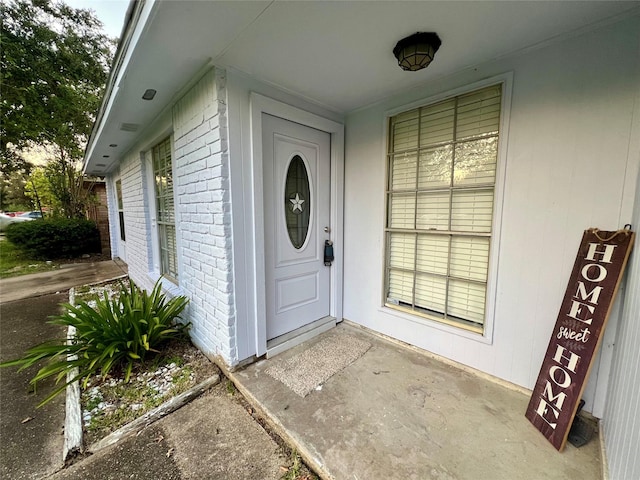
column 55, row 238
column 116, row 333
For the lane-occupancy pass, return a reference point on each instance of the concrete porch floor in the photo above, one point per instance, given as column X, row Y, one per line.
column 396, row 413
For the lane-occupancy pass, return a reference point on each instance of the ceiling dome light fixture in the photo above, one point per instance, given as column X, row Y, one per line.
column 416, row 51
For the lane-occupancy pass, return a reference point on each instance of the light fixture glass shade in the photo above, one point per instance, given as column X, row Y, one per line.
column 417, row 51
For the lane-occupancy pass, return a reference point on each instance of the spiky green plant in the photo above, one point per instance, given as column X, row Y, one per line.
column 116, row 332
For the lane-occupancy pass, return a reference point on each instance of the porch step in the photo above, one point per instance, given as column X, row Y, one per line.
column 296, row 337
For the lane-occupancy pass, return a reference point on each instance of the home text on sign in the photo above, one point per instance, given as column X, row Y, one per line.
column 594, row 281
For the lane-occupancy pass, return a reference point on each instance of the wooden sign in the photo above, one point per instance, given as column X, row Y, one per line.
column 577, row 334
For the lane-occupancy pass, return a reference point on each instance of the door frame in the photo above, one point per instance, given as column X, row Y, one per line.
column 260, row 104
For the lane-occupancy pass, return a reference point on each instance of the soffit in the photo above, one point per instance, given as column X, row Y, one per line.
column 334, row 54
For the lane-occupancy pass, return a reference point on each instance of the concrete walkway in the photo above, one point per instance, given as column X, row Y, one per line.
column 69, row 275
column 396, row 413
column 213, row 437
column 31, row 438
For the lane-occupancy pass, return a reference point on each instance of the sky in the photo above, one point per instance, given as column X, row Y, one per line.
column 109, row 12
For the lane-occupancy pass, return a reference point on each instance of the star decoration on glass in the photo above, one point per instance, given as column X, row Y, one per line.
column 296, row 203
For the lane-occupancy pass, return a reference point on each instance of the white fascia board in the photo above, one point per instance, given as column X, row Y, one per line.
column 139, row 14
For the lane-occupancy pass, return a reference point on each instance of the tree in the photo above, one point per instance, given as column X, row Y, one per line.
column 13, row 195
column 53, row 68
column 38, row 190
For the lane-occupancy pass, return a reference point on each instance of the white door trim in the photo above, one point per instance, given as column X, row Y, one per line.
column 119, row 247
column 259, row 105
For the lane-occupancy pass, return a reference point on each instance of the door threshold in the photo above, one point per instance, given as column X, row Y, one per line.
column 296, row 337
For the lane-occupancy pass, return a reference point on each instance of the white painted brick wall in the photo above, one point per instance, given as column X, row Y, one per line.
column 203, row 213
column 203, row 209
column 138, row 234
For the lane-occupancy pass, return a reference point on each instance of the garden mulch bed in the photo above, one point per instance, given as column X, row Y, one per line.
column 109, row 402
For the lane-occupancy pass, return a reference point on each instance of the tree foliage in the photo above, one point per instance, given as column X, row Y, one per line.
column 38, row 190
column 13, row 190
column 53, row 68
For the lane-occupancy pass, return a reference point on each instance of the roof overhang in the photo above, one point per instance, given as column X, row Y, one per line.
column 337, row 55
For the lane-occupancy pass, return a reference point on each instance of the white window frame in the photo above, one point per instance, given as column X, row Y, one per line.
column 169, row 281
column 486, row 336
column 119, row 203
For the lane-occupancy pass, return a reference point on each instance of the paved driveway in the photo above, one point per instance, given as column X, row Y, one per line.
column 31, row 439
column 70, row 275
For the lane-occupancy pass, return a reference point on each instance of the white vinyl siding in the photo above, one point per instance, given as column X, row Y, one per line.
column 440, row 201
column 165, row 206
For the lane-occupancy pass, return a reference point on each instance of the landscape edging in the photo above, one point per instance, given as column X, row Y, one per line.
column 73, row 436
column 156, row 414
column 73, row 410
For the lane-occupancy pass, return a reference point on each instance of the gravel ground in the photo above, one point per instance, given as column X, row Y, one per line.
column 110, row 402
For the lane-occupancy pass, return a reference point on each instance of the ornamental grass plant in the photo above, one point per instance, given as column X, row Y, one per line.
column 114, row 334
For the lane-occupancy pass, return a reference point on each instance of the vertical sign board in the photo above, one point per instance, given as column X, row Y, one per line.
column 578, row 332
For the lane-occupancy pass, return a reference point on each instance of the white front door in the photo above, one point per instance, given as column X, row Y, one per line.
column 296, row 168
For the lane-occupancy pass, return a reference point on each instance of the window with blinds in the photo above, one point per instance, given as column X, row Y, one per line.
column 441, row 182
column 163, row 180
column 123, row 237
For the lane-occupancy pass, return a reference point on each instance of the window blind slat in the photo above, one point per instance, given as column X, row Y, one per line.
column 432, row 254
column 472, row 210
column 433, row 211
column 431, row 292
column 466, row 300
column 469, row 258
column 165, row 203
column 402, row 210
column 437, row 123
column 405, row 131
column 403, row 171
column 435, row 167
column 478, row 122
column 171, row 247
column 443, row 188
column 476, row 162
column 402, row 247
column 400, row 286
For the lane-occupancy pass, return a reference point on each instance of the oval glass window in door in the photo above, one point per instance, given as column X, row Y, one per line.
column 297, row 202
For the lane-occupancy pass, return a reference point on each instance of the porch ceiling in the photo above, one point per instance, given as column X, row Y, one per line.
column 335, row 54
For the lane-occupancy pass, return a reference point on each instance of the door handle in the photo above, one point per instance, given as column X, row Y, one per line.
column 328, row 253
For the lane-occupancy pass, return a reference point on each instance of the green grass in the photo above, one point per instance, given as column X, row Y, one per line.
column 13, row 262
column 182, row 381
column 231, row 388
column 297, row 470
column 294, row 470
